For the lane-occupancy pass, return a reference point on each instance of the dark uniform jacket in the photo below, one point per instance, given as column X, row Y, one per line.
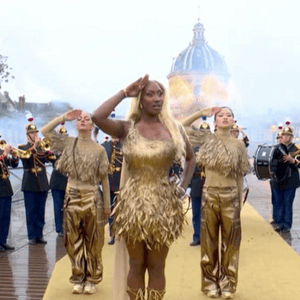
column 292, row 179
column 114, row 179
column 58, row 181
column 5, row 186
column 197, row 181
column 35, row 177
column 246, row 141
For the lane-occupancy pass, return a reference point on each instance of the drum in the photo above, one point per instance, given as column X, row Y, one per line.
column 267, row 162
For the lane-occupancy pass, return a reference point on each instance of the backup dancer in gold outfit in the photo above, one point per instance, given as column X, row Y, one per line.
column 148, row 214
column 86, row 164
column 225, row 161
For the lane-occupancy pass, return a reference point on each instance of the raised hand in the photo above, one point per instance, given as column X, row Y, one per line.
column 134, row 88
column 73, row 114
column 215, row 110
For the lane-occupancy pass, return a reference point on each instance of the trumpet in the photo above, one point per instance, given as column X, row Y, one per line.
column 44, row 144
column 15, row 151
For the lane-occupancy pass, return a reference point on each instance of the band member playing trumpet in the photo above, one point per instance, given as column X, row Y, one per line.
column 284, row 191
column 85, row 163
column 35, row 183
column 6, row 192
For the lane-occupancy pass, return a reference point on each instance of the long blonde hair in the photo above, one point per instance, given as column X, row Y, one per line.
column 174, row 127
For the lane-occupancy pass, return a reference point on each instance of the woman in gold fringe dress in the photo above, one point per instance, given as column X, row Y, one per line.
column 225, row 161
column 85, row 163
column 148, row 214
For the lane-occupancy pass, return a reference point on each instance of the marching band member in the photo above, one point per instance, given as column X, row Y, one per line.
column 196, row 186
column 85, row 163
column 225, row 161
column 236, row 130
column 6, row 193
column 58, row 184
column 35, row 184
column 115, row 156
column 284, row 191
column 274, row 213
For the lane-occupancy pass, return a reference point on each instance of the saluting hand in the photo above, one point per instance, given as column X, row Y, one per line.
column 215, row 110
column 134, row 88
column 73, row 114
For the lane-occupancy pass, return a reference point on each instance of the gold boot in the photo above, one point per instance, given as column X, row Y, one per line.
column 138, row 293
column 155, row 295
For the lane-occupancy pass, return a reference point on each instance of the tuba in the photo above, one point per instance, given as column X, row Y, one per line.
column 296, row 154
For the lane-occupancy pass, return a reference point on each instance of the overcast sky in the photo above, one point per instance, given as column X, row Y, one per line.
column 85, row 51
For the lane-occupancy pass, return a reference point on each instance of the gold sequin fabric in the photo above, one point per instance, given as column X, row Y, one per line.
column 147, row 207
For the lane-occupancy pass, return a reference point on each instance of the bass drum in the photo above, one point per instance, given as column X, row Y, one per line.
column 267, row 162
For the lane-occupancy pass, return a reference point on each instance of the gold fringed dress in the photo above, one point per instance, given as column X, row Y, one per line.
column 148, row 208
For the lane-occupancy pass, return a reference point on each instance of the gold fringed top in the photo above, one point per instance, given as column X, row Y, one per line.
column 229, row 160
column 87, row 162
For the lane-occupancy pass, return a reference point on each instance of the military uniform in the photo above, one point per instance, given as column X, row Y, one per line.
column 58, row 184
column 284, row 192
column 114, row 175
column 6, row 193
column 35, row 188
column 196, row 186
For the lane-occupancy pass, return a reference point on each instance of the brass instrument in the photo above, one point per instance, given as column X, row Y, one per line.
column 44, row 144
column 116, row 156
column 17, row 152
column 296, row 153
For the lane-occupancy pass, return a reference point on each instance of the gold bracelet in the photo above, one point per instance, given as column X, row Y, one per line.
column 125, row 92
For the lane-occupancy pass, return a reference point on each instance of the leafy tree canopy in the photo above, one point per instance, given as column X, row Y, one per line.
column 4, row 70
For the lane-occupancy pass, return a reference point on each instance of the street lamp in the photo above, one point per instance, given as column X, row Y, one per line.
column 273, row 129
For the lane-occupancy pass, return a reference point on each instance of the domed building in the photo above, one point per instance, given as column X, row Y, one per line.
column 198, row 74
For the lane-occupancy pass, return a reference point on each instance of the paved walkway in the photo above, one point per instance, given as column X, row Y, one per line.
column 20, row 280
column 260, row 198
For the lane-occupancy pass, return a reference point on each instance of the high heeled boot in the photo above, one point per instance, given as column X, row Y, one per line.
column 154, row 294
column 139, row 294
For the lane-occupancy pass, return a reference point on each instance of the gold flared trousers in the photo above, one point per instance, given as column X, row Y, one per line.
column 84, row 237
column 219, row 261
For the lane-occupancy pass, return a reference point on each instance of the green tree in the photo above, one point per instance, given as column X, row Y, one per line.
column 4, row 70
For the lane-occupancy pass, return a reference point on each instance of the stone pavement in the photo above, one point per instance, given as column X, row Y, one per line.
column 260, row 198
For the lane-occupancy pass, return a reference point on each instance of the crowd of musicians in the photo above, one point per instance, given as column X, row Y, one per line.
column 144, row 207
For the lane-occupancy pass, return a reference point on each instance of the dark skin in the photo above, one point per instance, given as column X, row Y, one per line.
column 151, row 127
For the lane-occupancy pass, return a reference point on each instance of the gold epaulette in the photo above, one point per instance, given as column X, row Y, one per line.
column 297, row 146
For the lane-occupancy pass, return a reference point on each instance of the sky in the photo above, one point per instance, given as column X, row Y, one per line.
column 83, row 52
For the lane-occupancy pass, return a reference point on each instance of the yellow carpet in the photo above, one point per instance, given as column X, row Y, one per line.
column 269, row 268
